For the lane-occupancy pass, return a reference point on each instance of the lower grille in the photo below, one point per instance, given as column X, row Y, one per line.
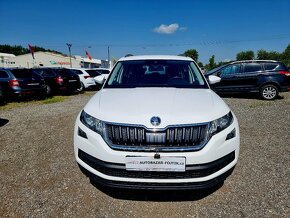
column 122, row 137
column 192, row 171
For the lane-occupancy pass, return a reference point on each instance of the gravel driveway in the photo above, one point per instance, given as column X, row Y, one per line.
column 39, row 176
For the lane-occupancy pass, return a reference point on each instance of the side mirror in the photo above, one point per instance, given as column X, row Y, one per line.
column 213, row 79
column 100, row 79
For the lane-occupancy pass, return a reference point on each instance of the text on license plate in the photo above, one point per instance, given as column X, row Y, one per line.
column 169, row 164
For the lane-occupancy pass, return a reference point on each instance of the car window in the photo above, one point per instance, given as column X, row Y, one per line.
column 48, row 73
column 271, row 66
column 156, row 73
column 71, row 73
column 22, row 73
column 214, row 71
column 79, row 72
column 3, row 74
column 38, row 71
column 232, row 69
column 274, row 66
column 252, row 67
column 64, row 72
column 103, row 71
column 93, row 73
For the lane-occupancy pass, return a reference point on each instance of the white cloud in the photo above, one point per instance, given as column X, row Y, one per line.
column 183, row 28
column 168, row 29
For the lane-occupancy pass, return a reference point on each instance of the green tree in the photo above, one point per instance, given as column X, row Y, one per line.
column 245, row 55
column 262, row 54
column 200, row 64
column 272, row 55
column 20, row 50
column 285, row 56
column 16, row 49
column 212, row 63
column 191, row 53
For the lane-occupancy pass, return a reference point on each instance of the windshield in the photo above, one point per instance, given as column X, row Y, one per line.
column 214, row 70
column 103, row 71
column 25, row 73
column 97, row 72
column 155, row 73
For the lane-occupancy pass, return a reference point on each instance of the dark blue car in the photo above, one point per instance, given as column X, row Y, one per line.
column 21, row 82
column 267, row 78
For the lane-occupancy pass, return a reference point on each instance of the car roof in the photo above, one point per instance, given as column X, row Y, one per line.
column 155, row 57
column 99, row 68
column 237, row 62
column 250, row 61
column 74, row 68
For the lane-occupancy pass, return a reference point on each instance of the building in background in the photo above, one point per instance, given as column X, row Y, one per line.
column 5, row 59
column 49, row 59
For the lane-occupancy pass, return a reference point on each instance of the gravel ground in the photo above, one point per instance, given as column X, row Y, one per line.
column 39, row 176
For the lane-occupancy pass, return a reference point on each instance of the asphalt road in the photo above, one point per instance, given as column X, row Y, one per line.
column 40, row 178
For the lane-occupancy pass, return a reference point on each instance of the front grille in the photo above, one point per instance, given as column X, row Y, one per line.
column 125, row 137
column 192, row 171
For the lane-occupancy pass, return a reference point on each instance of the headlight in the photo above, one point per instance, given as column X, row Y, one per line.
column 92, row 123
column 220, row 124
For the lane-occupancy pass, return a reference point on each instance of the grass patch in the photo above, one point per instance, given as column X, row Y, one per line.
column 89, row 93
column 23, row 103
column 53, row 99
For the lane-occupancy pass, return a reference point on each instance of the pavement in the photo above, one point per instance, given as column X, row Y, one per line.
column 40, row 178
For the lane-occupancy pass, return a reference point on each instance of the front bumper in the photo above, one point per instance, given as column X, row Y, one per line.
column 35, row 91
column 158, row 186
column 204, row 168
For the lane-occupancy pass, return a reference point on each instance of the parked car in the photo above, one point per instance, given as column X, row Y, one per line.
column 267, row 78
column 156, row 124
column 86, row 80
column 2, row 101
column 69, row 82
column 99, row 75
column 9, row 84
column 54, row 82
column 52, row 79
column 21, row 82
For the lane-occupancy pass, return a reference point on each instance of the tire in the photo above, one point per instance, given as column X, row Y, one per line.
column 269, row 92
column 48, row 90
column 82, row 88
column 2, row 102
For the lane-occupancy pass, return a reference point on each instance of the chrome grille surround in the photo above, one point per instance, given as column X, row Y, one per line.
column 128, row 137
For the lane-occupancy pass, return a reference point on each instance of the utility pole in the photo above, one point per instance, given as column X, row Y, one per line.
column 109, row 57
column 69, row 46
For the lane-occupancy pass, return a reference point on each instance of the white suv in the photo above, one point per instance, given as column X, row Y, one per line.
column 157, row 124
column 86, row 80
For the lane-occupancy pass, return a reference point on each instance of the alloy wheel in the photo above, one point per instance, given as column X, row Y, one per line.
column 269, row 92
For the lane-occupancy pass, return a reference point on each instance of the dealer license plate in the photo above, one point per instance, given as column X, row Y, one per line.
column 169, row 164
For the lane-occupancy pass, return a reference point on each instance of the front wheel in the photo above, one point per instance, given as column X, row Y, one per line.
column 48, row 90
column 269, row 92
column 82, row 88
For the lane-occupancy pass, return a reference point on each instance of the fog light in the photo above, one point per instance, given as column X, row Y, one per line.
column 231, row 135
column 81, row 133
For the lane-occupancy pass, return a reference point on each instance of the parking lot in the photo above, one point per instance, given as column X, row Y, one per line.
column 40, row 178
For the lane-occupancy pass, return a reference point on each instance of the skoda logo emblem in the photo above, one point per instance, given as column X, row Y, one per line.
column 155, row 121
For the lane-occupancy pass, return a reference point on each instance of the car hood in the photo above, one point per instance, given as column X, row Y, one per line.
column 173, row 105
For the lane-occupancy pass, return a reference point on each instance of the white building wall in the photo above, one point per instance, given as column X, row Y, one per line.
column 48, row 59
column 5, row 59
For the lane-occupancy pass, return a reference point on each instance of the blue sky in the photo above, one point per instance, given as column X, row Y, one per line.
column 222, row 28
